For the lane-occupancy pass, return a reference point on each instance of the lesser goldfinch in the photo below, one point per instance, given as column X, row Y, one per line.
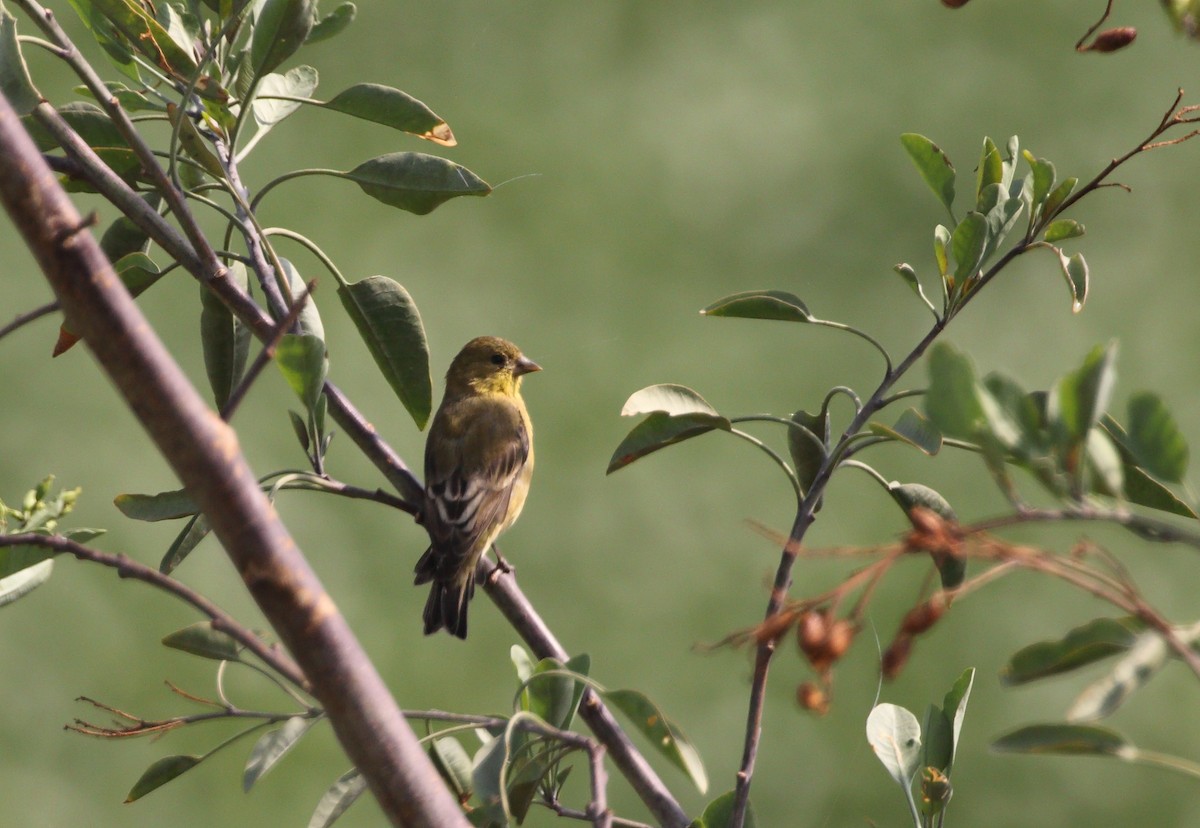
column 478, row 461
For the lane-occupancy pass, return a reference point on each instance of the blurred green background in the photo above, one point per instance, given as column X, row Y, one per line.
column 657, row 157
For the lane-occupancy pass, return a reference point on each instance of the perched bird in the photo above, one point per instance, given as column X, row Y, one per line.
column 478, row 461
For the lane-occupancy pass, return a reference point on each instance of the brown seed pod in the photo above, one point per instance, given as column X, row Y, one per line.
column 841, row 636
column 923, row 616
column 954, row 4
column 812, row 630
column 1111, row 40
column 896, row 656
column 811, row 697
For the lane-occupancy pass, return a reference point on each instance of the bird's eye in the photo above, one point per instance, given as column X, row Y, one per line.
column 498, row 359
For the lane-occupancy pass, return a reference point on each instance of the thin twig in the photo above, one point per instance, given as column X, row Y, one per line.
column 126, row 567
column 22, row 319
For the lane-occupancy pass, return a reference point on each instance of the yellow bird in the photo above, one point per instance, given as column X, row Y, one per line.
column 478, row 462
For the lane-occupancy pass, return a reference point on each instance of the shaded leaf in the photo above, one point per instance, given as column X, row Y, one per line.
column 340, row 796
column 933, row 165
column 1081, row 646
column 201, row 639
column 938, row 748
column 549, row 698
column 162, row 506
column 280, row 29
column 1154, row 438
column 667, row 398
column 1140, row 487
column 954, row 705
column 895, row 735
column 226, row 339
column 310, row 316
column 15, row 83
column 272, row 746
column 912, row 428
column 808, row 454
column 1063, row 739
column 196, row 530
column 967, row 243
column 392, row 108
column 659, row 431
column 453, row 764
column 415, row 182
column 761, row 304
column 909, row 496
column 390, row 325
column 1079, row 398
column 333, row 23
column 25, row 581
column 160, row 773
column 990, row 170
column 953, row 399
column 661, row 732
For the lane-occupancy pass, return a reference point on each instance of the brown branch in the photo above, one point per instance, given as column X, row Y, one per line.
column 203, row 451
column 126, row 567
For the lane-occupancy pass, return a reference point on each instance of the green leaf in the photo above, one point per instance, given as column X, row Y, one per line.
column 160, row 773
column 1075, row 271
column 1064, row 739
column 487, row 765
column 333, row 23
column 225, row 338
column 1140, row 487
column 933, row 165
column 201, row 639
column 1043, row 177
column 910, row 277
column 137, row 29
column 895, row 735
column 661, row 732
column 659, row 431
column 941, row 249
column 1081, row 646
column 392, row 108
column 808, row 454
column 453, row 764
column 548, row 698
column 415, row 182
column 1104, row 465
column 299, row 82
column 302, row 359
column 967, row 243
column 761, row 304
column 280, row 29
column 272, row 746
column 719, row 813
column 195, row 531
column 954, row 706
column 162, row 506
column 1079, row 398
column 667, row 399
column 990, row 171
column 25, row 581
column 1133, row 671
column 340, row 796
column 938, row 748
column 300, row 427
column 522, row 661
column 390, row 325
column 107, row 35
column 909, row 496
column 912, row 428
column 1154, row 438
column 953, row 401
column 310, row 316
column 1062, row 230
column 15, row 83
column 1057, row 196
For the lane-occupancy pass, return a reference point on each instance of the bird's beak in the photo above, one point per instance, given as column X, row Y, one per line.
column 525, row 365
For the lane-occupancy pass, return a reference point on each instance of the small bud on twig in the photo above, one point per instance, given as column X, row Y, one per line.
column 923, row 616
column 1111, row 40
column 896, row 656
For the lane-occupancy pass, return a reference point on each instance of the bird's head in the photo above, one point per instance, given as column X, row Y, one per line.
column 489, row 364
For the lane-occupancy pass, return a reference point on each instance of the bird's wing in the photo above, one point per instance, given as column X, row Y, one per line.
column 470, row 470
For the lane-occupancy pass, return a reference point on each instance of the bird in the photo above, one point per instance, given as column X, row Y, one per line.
column 478, row 463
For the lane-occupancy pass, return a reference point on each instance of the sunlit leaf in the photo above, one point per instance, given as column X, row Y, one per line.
column 298, row 82
column 933, row 165
column 1131, row 673
column 967, row 243
column 162, row 506
column 989, row 172
column 668, row 399
column 1043, row 177
column 392, row 108
column 25, row 581
column 761, row 304
column 201, row 639
column 661, row 732
column 333, row 23
column 1058, row 195
column 895, row 735
column 340, row 796
column 138, row 29
column 302, row 359
column 954, row 705
column 1062, row 230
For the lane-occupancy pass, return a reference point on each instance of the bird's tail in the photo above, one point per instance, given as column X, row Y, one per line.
column 447, row 603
